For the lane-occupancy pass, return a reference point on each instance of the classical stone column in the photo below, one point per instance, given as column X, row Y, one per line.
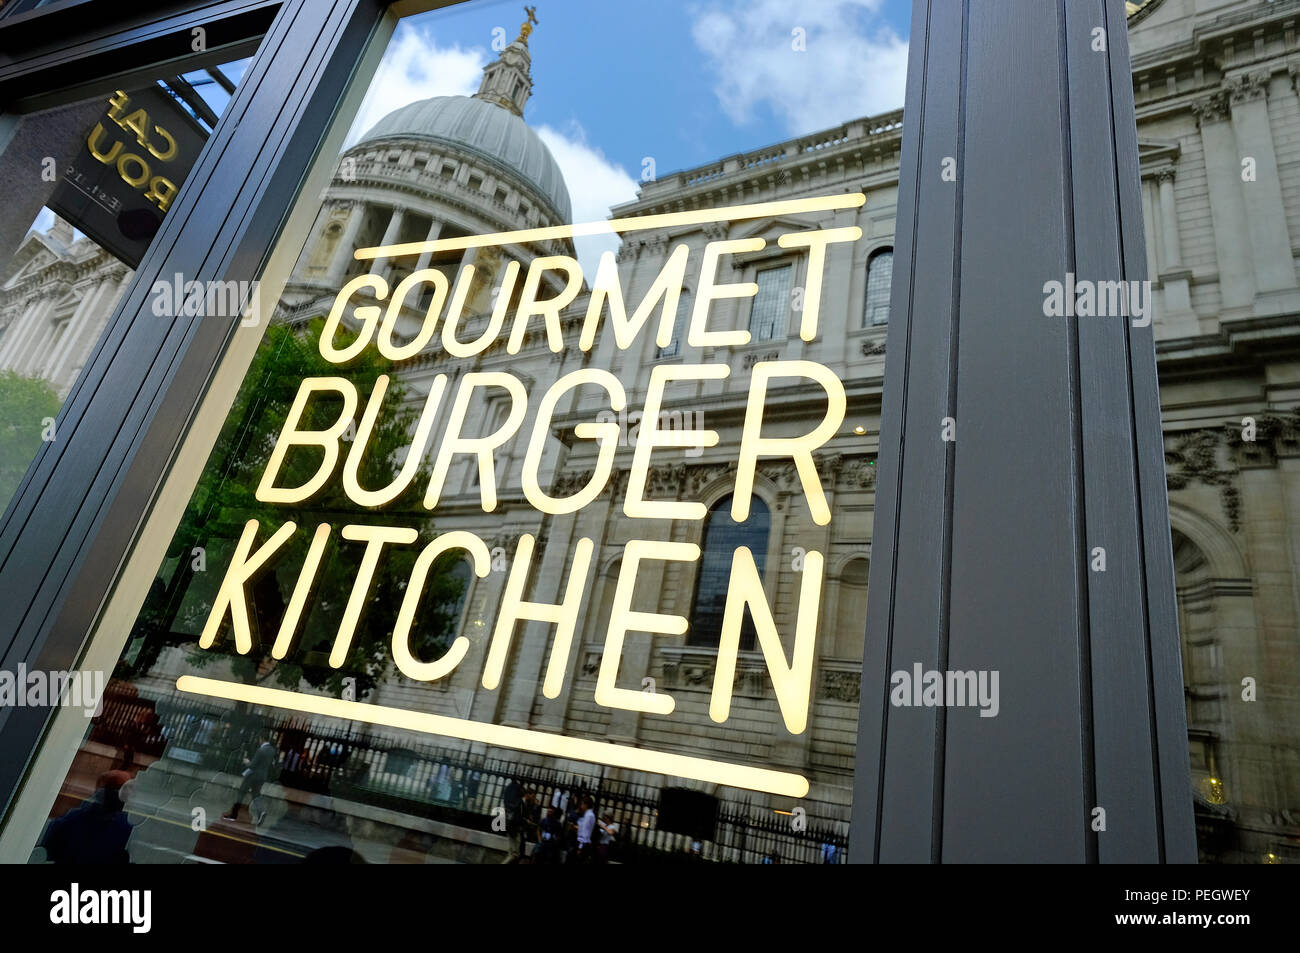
column 1227, row 209
column 384, row 266
column 435, row 229
column 77, row 326
column 1175, row 278
column 343, row 253
column 19, row 327
column 314, row 237
column 32, row 322
column 85, row 331
column 1169, row 220
column 1261, row 186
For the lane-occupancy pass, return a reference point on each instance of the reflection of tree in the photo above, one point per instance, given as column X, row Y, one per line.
column 25, row 402
column 224, row 501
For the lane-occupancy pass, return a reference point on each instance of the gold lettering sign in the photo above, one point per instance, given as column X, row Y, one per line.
column 367, row 306
column 136, row 170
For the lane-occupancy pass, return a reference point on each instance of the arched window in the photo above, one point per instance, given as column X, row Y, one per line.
column 722, row 536
column 674, row 346
column 848, row 638
column 439, row 622
column 880, row 272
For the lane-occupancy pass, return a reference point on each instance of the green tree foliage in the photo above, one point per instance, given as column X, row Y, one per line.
column 224, row 501
column 25, row 403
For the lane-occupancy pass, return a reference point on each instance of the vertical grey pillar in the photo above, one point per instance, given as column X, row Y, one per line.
column 985, row 545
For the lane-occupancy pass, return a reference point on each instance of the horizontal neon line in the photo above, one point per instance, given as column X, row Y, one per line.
column 522, row 739
column 735, row 213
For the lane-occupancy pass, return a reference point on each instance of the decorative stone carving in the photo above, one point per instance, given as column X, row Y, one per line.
column 1247, row 87
column 657, row 246
column 665, row 479
column 859, row 473
column 841, row 686
column 1213, row 108
column 568, row 483
column 752, row 359
column 870, row 349
column 1276, row 436
column 1194, row 458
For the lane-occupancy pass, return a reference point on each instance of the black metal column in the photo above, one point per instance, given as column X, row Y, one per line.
column 1016, row 445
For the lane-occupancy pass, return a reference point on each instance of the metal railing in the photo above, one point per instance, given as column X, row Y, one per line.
column 460, row 787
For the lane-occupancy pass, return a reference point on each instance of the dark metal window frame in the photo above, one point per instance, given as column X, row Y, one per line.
column 74, row 518
column 1118, row 724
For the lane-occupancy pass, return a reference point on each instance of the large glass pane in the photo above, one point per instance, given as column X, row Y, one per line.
column 510, row 514
column 526, row 536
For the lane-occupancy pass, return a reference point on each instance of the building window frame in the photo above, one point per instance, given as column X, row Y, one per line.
column 883, row 273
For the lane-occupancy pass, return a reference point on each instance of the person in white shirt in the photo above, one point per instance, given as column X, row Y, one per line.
column 608, row 833
column 586, row 828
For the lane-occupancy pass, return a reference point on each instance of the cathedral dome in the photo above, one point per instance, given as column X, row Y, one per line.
column 491, row 133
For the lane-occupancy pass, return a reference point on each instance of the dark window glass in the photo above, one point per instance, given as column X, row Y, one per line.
column 771, row 304
column 722, row 536
column 880, row 270
column 674, row 346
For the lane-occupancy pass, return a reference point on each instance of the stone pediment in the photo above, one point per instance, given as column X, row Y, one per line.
column 1153, row 153
column 772, row 227
column 1139, row 10
column 31, row 258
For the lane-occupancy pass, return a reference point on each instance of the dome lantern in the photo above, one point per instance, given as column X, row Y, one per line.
column 507, row 80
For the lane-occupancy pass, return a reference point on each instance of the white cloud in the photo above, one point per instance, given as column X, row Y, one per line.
column 595, row 184
column 414, row 67
column 852, row 65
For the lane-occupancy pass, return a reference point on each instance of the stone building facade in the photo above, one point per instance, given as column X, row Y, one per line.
column 55, row 297
column 1218, row 106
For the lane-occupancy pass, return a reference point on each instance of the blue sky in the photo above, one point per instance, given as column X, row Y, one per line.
column 678, row 82
column 681, row 82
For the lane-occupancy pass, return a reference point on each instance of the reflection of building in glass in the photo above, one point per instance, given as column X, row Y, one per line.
column 55, row 297
column 1214, row 89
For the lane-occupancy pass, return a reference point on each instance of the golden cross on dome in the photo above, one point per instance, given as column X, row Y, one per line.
column 527, row 26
